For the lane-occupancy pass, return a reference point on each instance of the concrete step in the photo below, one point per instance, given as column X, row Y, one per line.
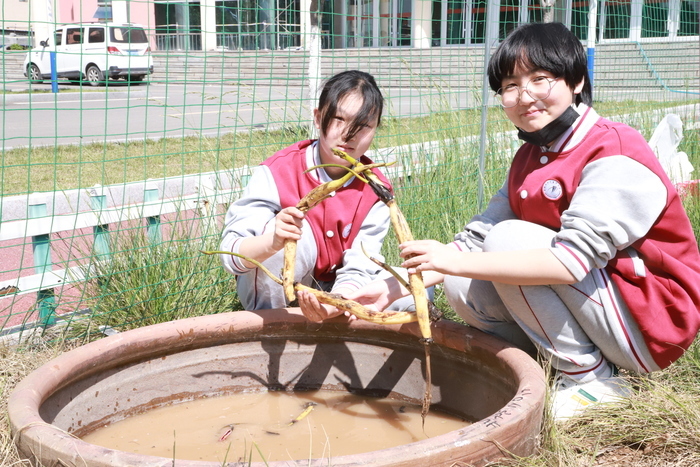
column 617, row 65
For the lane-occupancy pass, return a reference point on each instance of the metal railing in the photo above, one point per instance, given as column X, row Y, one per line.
column 256, row 37
column 179, row 41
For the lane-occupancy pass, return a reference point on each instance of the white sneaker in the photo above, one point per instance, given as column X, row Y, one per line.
column 571, row 397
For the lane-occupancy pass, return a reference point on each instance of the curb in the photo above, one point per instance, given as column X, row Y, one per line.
column 17, row 95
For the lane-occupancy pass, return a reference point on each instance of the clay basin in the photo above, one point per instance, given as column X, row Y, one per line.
column 475, row 376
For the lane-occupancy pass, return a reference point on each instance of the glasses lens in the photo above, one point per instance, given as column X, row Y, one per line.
column 507, row 97
column 539, row 88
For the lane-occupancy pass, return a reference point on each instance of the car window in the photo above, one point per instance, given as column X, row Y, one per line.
column 74, row 35
column 58, row 36
column 96, row 35
column 127, row 35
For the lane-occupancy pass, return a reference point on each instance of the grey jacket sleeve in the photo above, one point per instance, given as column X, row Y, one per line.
column 248, row 216
column 608, row 213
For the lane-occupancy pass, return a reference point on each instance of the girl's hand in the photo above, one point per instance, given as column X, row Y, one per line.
column 427, row 255
column 313, row 310
column 378, row 294
column 287, row 226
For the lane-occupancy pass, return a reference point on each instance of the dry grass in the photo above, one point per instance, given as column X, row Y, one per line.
column 15, row 364
column 658, row 426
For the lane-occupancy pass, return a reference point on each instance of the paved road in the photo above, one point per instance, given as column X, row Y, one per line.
column 156, row 111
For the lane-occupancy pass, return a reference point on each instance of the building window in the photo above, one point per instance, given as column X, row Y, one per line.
column 689, row 18
column 104, row 11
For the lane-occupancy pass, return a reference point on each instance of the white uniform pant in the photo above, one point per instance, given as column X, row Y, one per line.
column 579, row 327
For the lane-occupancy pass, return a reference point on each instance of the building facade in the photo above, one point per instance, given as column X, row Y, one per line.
column 281, row 24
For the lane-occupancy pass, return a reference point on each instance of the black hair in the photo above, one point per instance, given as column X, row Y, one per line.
column 543, row 46
column 342, row 84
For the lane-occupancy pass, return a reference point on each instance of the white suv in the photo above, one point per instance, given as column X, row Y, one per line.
column 93, row 51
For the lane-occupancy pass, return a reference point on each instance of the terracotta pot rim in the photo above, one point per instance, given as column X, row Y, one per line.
column 176, row 336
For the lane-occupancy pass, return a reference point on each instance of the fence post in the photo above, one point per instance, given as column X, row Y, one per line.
column 98, row 202
column 490, row 39
column 150, row 194
column 590, row 40
column 313, row 45
column 245, row 178
column 41, row 248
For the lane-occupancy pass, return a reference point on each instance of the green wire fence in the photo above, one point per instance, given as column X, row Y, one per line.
column 113, row 183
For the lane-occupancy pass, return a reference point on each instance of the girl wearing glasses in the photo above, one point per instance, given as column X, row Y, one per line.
column 585, row 254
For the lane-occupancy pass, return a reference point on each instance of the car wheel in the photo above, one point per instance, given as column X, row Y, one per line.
column 94, row 76
column 136, row 78
column 34, row 74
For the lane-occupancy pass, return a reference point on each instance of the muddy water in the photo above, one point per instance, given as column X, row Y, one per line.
column 234, row 428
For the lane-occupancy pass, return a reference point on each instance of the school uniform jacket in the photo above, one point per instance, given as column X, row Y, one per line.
column 601, row 187
column 353, row 213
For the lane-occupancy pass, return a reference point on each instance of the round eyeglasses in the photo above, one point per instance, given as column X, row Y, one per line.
column 537, row 88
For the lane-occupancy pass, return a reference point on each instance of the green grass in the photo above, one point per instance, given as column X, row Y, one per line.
column 48, row 168
column 146, row 284
column 59, row 168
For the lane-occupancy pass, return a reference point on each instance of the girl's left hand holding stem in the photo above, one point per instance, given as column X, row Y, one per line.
column 427, row 255
column 313, row 309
